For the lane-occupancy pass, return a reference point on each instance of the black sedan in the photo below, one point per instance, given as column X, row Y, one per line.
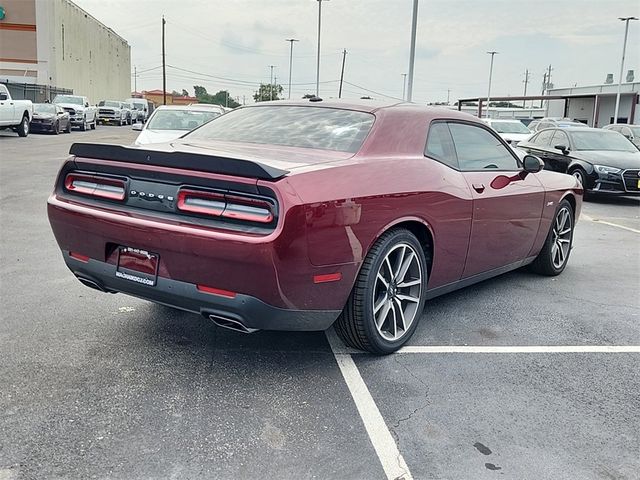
column 604, row 161
column 50, row 118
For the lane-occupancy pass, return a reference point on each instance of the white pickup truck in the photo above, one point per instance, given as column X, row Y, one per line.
column 15, row 114
column 81, row 113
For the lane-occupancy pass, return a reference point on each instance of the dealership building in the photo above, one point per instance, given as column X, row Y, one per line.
column 52, row 45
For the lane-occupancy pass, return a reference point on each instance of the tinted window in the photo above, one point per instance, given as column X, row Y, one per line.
column 543, row 138
column 560, row 138
column 601, row 140
column 307, row 127
column 478, row 149
column 440, row 145
column 179, row 119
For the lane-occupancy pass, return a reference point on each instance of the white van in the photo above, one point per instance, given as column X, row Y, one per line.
column 140, row 109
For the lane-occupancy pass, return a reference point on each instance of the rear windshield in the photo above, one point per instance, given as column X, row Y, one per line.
column 291, row 126
column 44, row 108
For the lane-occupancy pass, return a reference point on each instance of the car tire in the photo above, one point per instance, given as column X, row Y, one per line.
column 374, row 318
column 83, row 126
column 94, row 124
column 56, row 128
column 23, row 128
column 68, row 129
column 580, row 175
column 555, row 252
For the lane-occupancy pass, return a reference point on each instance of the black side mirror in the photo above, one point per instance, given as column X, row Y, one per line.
column 532, row 164
column 562, row 148
column 3, row 96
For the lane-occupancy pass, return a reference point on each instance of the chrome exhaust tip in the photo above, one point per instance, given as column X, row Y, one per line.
column 91, row 284
column 231, row 324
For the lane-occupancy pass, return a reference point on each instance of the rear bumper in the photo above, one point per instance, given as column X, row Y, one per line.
column 251, row 312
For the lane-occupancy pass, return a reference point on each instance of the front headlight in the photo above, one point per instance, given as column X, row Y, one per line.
column 606, row 170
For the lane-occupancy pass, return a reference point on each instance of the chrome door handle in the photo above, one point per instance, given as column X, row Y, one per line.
column 478, row 187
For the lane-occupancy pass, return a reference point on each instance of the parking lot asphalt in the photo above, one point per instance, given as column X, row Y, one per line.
column 109, row 386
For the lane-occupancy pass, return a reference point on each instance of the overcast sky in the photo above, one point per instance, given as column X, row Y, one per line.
column 238, row 40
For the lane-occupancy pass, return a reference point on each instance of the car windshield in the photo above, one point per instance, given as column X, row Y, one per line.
column 44, row 108
column 509, row 127
column 110, row 104
column 635, row 130
column 292, row 126
column 179, row 119
column 138, row 106
column 68, row 99
column 602, row 140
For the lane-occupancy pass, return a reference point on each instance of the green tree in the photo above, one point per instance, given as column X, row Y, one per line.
column 268, row 92
column 222, row 97
column 185, row 93
column 308, row 95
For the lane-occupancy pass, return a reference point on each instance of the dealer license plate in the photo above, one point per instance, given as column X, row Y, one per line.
column 138, row 266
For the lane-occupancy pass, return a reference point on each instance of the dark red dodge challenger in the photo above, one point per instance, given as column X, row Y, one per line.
column 292, row 215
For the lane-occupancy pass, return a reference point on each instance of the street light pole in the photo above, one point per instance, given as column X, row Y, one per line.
column 318, row 60
column 404, row 85
column 164, row 69
column 412, row 51
column 492, row 53
column 271, row 83
column 290, row 40
column 624, row 50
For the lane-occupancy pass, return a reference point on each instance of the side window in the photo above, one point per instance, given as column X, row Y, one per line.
column 560, row 138
column 478, row 149
column 544, row 138
column 440, row 145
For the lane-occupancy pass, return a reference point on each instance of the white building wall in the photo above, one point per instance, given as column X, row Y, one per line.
column 83, row 54
column 607, row 109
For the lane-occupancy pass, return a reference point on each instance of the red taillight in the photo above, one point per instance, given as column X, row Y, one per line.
column 204, row 203
column 216, row 291
column 225, row 205
column 78, row 256
column 248, row 209
column 95, row 186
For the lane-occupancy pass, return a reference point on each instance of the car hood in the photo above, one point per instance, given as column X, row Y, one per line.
column 71, row 105
column 276, row 156
column 609, row 158
column 158, row 136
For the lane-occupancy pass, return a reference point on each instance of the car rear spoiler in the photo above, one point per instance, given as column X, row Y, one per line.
column 178, row 159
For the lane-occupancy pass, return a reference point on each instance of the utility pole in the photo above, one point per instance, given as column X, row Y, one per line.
column 624, row 49
column 135, row 79
column 290, row 40
column 271, row 83
column 526, row 81
column 318, row 59
column 492, row 53
column 164, row 68
column 244, row 100
column 344, row 56
column 404, row 85
column 544, row 86
column 448, row 93
column 412, row 50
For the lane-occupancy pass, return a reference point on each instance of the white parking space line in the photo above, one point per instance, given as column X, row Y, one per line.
column 595, row 220
column 385, row 446
column 522, row 349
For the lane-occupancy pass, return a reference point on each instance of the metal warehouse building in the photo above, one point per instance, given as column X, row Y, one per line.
column 595, row 105
column 54, row 43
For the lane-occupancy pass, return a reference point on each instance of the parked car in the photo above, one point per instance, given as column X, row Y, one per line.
column 14, row 114
column 140, row 109
column 112, row 111
column 50, row 118
column 602, row 160
column 553, row 122
column 81, row 113
column 213, row 106
column 632, row 132
column 512, row 131
column 292, row 215
column 169, row 122
column 126, row 106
